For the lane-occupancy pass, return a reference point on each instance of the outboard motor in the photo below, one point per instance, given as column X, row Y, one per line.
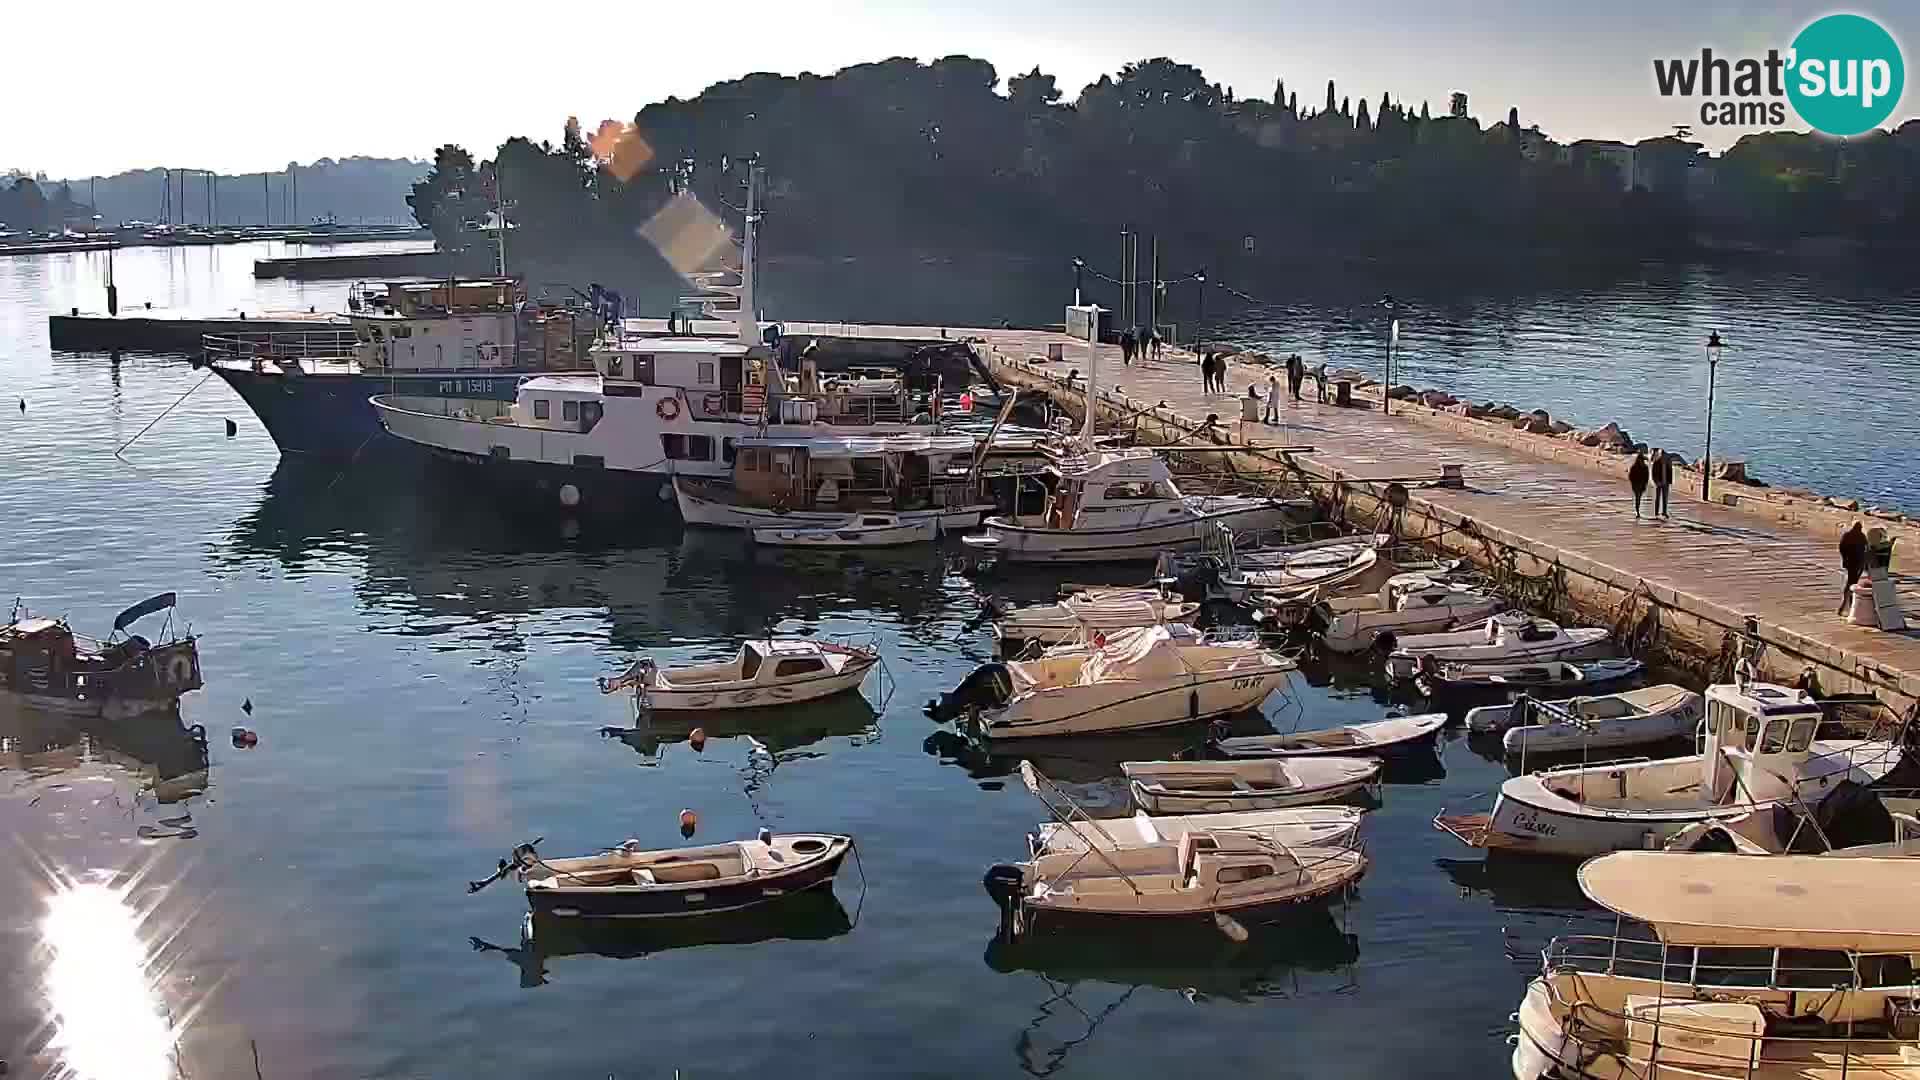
column 989, row 686
column 1005, row 883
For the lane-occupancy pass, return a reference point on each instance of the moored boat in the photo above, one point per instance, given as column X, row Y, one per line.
column 1207, row 787
column 45, row 665
column 765, row 672
column 629, row 882
column 1394, row 736
column 1457, row 680
column 865, row 530
column 1083, row 615
column 1649, row 715
column 1406, row 604
column 1510, row 637
column 817, row 479
column 1304, row 826
column 1758, row 751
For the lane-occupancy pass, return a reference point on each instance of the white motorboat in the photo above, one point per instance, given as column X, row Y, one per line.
column 1406, row 604
column 1083, row 615
column 1396, row 736
column 1298, row 568
column 1758, row 751
column 858, row 531
column 1653, row 714
column 767, row 671
column 1304, row 826
column 1458, row 680
column 1122, row 505
column 675, row 883
column 1206, row 873
column 1785, row 967
column 1509, row 637
column 1207, row 787
column 1137, row 680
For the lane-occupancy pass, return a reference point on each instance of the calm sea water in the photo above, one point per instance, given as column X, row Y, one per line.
column 421, row 679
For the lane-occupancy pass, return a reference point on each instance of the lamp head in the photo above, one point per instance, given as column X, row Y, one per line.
column 1714, row 345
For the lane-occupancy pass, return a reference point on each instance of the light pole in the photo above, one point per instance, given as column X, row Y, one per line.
column 1393, row 344
column 1078, row 267
column 1714, row 345
column 1200, row 319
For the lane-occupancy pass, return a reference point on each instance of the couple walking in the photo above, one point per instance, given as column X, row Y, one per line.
column 1660, row 472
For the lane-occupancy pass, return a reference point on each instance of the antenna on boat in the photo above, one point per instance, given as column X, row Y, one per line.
column 1053, row 798
column 747, row 319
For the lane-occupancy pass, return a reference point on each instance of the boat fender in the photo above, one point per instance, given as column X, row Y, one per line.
column 1005, row 882
column 1193, row 704
column 689, row 821
column 697, row 738
column 179, row 670
column 668, row 408
column 199, row 733
column 569, row 496
column 1384, row 642
column 765, row 835
column 245, row 739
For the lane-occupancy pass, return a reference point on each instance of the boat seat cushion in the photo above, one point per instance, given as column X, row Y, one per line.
column 682, row 873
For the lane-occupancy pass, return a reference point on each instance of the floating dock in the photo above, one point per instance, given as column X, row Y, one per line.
column 387, row 264
column 160, row 332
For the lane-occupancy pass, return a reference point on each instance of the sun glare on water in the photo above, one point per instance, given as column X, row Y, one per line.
column 107, row 1019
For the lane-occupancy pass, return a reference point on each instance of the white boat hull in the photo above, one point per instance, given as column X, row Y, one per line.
column 827, row 536
column 1529, row 817
column 1309, row 826
column 1139, row 541
column 1584, row 643
column 1197, row 788
column 1128, row 705
column 714, row 514
column 1358, row 631
column 1676, row 721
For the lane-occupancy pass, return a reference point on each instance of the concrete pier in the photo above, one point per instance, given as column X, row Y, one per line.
column 160, row 332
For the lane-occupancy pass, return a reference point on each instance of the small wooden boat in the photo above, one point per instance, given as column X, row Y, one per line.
column 1305, row 826
column 859, row 531
column 1207, row 873
column 766, row 672
column 45, row 665
column 1204, row 787
column 1393, row 737
column 1444, row 680
column 629, row 882
column 1508, row 638
column 1653, row 714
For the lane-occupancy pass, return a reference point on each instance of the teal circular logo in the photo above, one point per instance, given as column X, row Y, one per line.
column 1847, row 74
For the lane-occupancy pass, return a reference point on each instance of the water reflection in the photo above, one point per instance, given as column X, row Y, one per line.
column 772, row 732
column 814, row 915
column 104, row 1008
column 1520, row 882
column 166, row 756
column 1191, row 958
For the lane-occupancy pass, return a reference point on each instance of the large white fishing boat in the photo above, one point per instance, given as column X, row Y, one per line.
column 1758, row 751
column 1123, row 505
column 1784, row 967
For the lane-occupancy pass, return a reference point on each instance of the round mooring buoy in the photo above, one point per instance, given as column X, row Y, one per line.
column 688, row 822
column 698, row 737
column 569, row 496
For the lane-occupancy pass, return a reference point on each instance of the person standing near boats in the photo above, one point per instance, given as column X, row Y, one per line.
column 1273, row 398
column 1126, row 347
column 1662, row 482
column 1296, row 374
column 1853, row 559
column 1637, row 479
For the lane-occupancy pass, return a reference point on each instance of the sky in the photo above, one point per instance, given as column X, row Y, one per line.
column 238, row 87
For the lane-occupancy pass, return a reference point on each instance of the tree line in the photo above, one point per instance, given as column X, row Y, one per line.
column 899, row 155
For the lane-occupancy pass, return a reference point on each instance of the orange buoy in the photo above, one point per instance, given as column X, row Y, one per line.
column 698, row 737
column 688, row 822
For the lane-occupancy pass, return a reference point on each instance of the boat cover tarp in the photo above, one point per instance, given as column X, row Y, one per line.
column 1788, row 901
column 142, row 609
column 1144, row 653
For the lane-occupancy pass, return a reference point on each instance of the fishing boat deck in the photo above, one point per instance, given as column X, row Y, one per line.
column 1721, row 562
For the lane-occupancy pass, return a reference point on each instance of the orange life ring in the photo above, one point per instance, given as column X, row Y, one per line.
column 668, row 409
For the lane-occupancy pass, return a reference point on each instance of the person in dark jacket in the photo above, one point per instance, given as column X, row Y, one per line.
column 1126, row 346
column 1206, row 370
column 1637, row 480
column 1296, row 374
column 1662, row 482
column 1853, row 558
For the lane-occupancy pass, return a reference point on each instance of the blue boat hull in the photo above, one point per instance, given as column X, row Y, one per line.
column 327, row 415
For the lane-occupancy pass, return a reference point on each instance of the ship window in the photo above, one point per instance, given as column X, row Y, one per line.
column 539, row 408
column 403, row 330
column 706, row 373
column 875, row 521
column 1230, row 874
column 674, row 447
column 569, row 410
column 1801, row 735
column 1130, row 490
column 1776, row 738
column 590, row 461
column 726, row 451
column 643, row 369
column 616, row 365
column 749, row 460
column 499, row 453
column 1814, row 969
column 700, row 448
column 1753, row 732
column 797, row 667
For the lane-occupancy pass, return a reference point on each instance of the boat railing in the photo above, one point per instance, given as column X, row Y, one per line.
column 1680, row 1048
column 1578, row 766
column 273, row 346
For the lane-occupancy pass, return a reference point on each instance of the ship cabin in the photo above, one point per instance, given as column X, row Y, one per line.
column 892, row 472
column 470, row 325
column 1108, row 486
column 1756, row 736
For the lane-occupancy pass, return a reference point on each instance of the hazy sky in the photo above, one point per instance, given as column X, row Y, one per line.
column 116, row 84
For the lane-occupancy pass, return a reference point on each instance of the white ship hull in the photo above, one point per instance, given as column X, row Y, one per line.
column 714, row 514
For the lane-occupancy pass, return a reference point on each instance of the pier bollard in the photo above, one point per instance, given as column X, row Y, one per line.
column 1863, row 612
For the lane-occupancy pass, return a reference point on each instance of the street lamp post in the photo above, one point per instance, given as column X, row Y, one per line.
column 1714, row 345
column 1393, row 343
column 1079, row 266
column 1200, row 319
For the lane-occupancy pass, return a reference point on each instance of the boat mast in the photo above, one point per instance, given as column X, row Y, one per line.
column 1093, row 379
column 747, row 320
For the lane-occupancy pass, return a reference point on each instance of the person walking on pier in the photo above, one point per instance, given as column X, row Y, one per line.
column 1320, row 382
column 1853, row 558
column 1637, row 479
column 1154, row 340
column 1206, row 370
column 1662, row 482
column 1296, row 374
column 1126, row 346
column 1273, row 398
